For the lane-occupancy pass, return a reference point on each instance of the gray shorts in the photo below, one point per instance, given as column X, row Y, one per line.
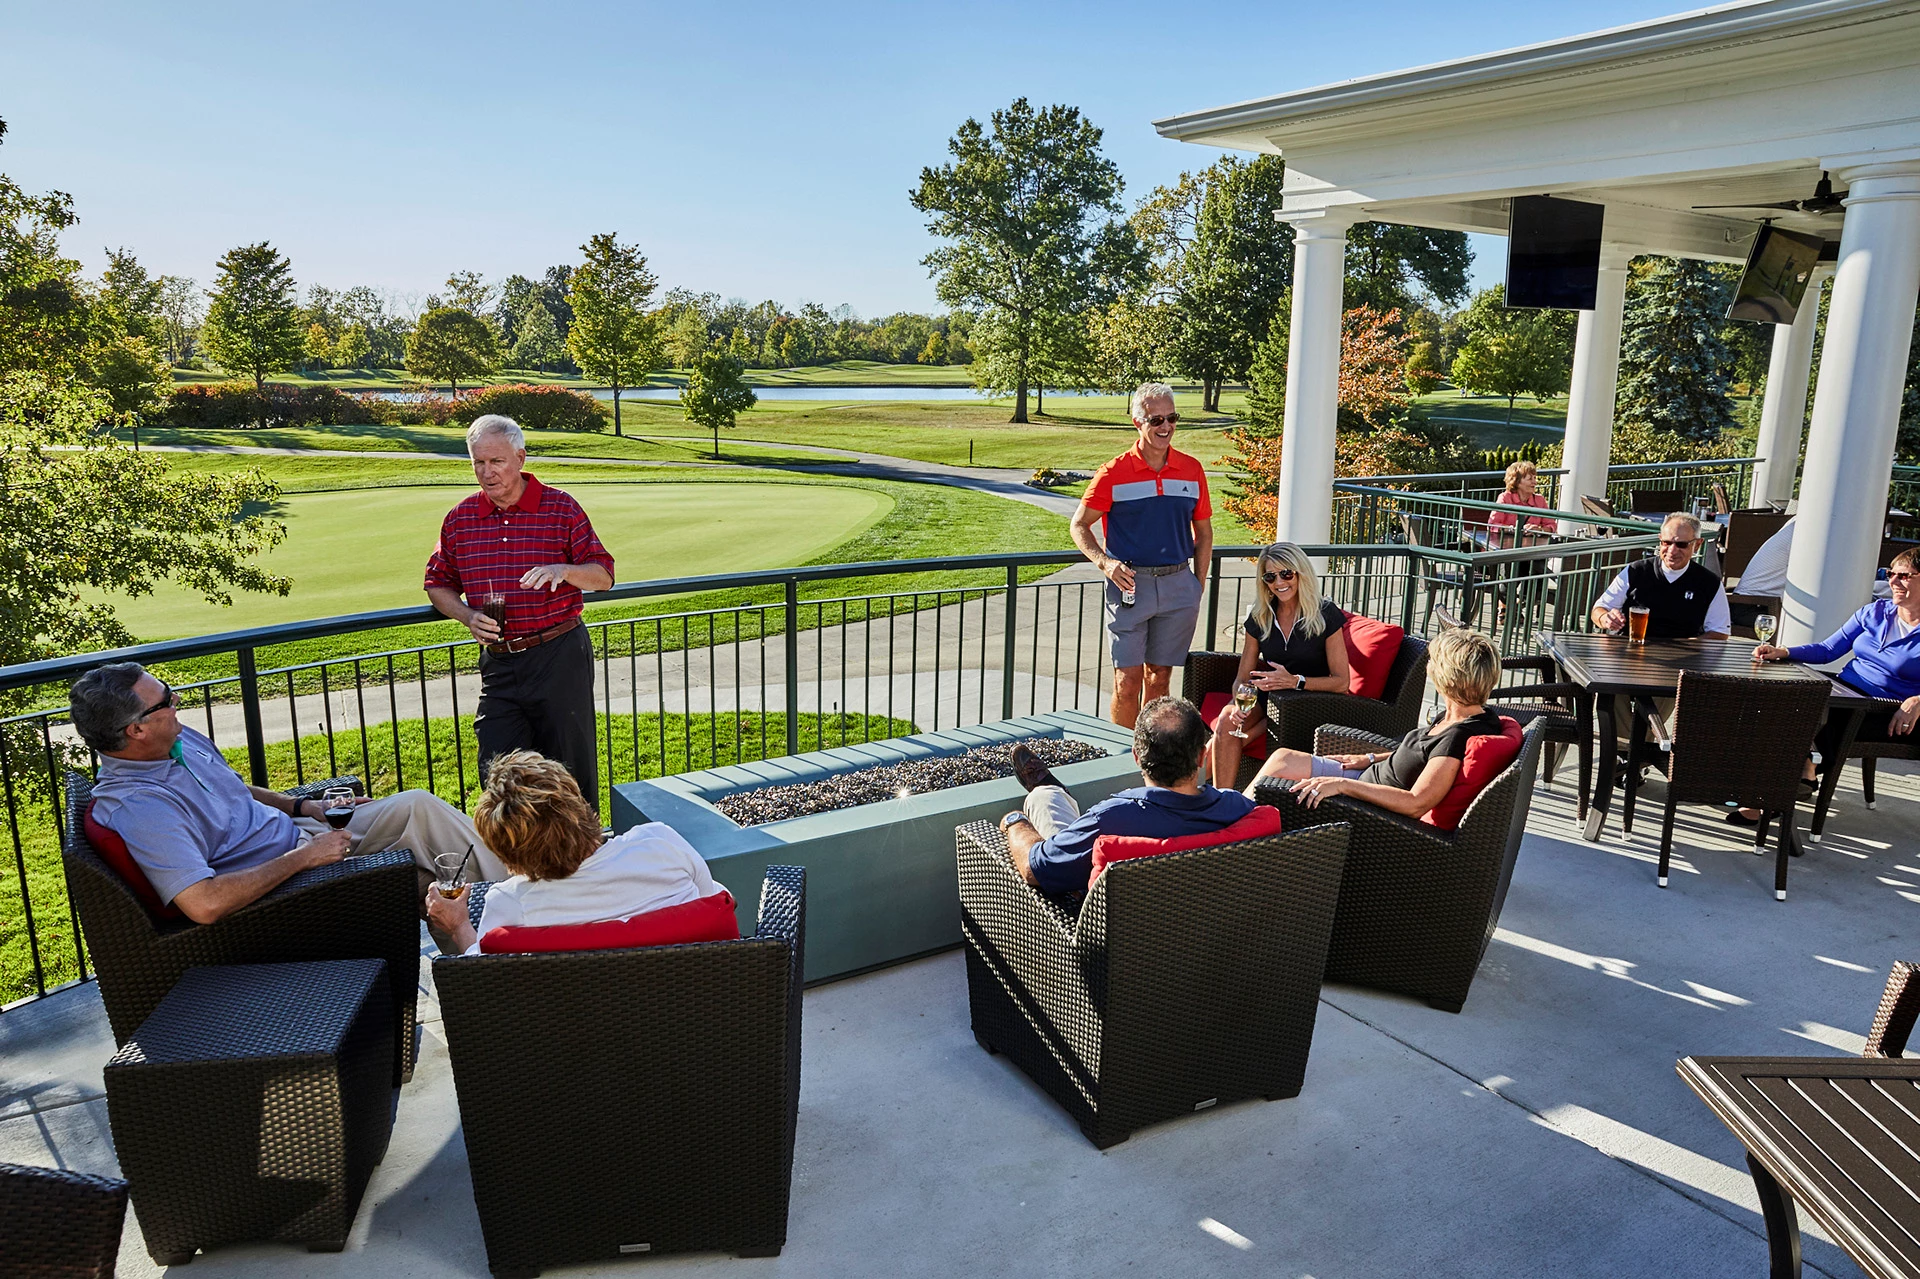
column 1324, row 767
column 1157, row 628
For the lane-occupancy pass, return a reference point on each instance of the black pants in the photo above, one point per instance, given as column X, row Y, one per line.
column 1875, row 727
column 542, row 700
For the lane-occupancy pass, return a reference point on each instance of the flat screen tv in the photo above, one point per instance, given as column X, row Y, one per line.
column 1553, row 252
column 1775, row 280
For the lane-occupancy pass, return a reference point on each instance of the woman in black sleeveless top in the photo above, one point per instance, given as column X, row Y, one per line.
column 1293, row 641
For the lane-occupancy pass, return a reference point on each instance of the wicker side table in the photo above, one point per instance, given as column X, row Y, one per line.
column 254, row 1103
column 56, row 1224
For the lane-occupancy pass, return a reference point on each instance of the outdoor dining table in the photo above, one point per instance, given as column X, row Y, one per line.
column 1605, row 664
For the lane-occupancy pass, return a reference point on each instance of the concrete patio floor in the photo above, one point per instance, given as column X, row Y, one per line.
column 1542, row 1131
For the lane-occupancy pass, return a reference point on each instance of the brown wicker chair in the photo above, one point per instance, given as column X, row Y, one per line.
column 360, row 908
column 631, row 1101
column 1418, row 904
column 1736, row 740
column 56, row 1224
column 1293, row 717
column 1868, row 753
column 1185, row 979
column 1596, row 505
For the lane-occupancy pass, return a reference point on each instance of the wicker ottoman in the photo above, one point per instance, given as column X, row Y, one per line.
column 56, row 1224
column 254, row 1103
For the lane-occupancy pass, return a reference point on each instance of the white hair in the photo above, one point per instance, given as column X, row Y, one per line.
column 1683, row 518
column 1144, row 392
column 495, row 424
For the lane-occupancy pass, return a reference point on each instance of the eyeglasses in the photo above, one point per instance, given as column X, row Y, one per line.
column 1171, row 419
column 1278, row 575
column 167, row 698
column 1899, row 577
column 1667, row 542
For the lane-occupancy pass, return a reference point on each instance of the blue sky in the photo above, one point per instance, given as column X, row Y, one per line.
column 757, row 150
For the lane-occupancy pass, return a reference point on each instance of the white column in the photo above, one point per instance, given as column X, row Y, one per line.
column 1783, row 414
column 1313, row 374
column 1856, row 407
column 1596, row 370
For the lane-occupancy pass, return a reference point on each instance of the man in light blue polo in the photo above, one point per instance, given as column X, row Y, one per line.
column 207, row 842
column 1157, row 521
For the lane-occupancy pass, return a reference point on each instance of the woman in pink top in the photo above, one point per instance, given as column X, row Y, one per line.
column 1522, row 479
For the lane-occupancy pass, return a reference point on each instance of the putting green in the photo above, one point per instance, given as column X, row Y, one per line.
column 363, row 550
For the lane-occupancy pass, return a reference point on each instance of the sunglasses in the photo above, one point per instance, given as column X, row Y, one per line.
column 1278, row 575
column 1171, row 419
column 1900, row 577
column 1667, row 542
column 167, row 698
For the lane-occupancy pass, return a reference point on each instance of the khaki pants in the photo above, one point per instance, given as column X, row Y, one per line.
column 1050, row 809
column 423, row 824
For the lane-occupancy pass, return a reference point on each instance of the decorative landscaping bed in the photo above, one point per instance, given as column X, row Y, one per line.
column 881, row 879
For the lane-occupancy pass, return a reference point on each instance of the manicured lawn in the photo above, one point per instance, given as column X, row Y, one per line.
column 452, row 441
column 840, row 373
column 356, row 551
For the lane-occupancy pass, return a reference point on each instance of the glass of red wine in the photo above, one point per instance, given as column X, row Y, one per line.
column 336, row 804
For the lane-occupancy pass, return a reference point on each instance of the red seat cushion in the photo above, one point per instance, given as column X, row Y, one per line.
column 707, row 919
column 1108, row 849
column 1371, row 648
column 113, row 851
column 1253, row 746
column 1487, row 757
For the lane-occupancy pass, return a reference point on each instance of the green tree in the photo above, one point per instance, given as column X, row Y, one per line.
column 1511, row 353
column 253, row 325
column 181, row 313
column 538, row 345
column 716, row 392
column 354, row 348
column 935, row 351
column 1423, row 369
column 686, row 337
column 1267, row 380
column 48, row 319
column 452, row 345
column 1392, row 267
column 132, row 373
column 133, row 296
column 1223, row 260
column 1674, row 364
column 1026, row 214
column 105, row 518
column 613, row 337
column 316, row 346
column 1129, row 342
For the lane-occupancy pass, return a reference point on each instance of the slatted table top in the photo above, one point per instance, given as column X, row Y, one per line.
column 1841, row 1135
column 1609, row 664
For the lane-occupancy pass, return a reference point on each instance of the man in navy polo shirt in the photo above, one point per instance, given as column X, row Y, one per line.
column 1157, row 521
column 1051, row 841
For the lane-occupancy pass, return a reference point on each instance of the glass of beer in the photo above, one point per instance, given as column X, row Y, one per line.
column 1764, row 626
column 1245, row 698
column 336, row 804
column 1637, row 625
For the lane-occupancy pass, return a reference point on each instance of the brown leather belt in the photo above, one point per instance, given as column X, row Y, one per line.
column 521, row 643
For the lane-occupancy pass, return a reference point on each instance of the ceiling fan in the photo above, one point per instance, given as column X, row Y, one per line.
column 1824, row 200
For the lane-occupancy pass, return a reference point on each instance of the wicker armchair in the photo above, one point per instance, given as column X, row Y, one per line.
column 360, row 908
column 1293, row 717
column 1737, row 740
column 1418, row 904
column 1559, row 704
column 631, row 1101
column 56, row 1224
column 1186, row 979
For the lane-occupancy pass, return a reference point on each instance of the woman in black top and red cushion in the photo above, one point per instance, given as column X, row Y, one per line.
column 1416, row 775
column 1294, row 641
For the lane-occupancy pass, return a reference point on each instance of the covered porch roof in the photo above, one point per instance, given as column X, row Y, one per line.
column 1736, row 104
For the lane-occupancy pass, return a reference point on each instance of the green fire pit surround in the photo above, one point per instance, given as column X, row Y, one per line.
column 881, row 883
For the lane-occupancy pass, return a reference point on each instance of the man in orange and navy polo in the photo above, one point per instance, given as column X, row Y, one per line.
column 532, row 546
column 1157, row 524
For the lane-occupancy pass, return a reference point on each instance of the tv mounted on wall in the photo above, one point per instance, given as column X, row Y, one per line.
column 1553, row 252
column 1775, row 280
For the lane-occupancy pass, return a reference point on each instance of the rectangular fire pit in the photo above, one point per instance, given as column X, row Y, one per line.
column 881, row 885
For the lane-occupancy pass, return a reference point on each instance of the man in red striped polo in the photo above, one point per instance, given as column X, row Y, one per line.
column 533, row 546
column 1157, row 521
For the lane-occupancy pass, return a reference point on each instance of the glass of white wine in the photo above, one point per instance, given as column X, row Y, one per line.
column 1245, row 698
column 1764, row 626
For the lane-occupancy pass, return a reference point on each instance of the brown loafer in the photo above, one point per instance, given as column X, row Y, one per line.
column 1029, row 771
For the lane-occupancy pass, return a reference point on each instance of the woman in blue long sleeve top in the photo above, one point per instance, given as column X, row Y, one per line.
column 1884, row 638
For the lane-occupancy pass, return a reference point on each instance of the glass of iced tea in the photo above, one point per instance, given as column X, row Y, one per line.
column 1637, row 625
column 447, row 866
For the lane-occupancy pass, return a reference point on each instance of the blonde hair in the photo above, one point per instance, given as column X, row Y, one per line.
column 1306, row 589
column 1464, row 665
column 534, row 818
column 1518, row 471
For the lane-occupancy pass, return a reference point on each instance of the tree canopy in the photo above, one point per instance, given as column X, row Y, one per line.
column 451, row 344
column 1392, row 267
column 253, row 325
column 613, row 337
column 1511, row 353
column 716, row 392
column 1674, row 363
column 1028, row 213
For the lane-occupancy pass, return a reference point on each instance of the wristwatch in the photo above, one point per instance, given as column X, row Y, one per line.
column 1012, row 818
column 1299, row 683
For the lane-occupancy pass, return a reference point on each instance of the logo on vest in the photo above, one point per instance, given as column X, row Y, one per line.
column 1689, row 595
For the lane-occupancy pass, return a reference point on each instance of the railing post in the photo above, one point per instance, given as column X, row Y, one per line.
column 250, row 712
column 793, row 666
column 1007, row 650
column 1213, row 603
column 1406, row 596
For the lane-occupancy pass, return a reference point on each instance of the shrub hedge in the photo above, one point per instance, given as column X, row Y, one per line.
column 238, row 405
column 535, row 408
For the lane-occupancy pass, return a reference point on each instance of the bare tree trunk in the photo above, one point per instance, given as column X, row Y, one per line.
column 1020, row 403
column 1039, row 399
column 616, row 411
